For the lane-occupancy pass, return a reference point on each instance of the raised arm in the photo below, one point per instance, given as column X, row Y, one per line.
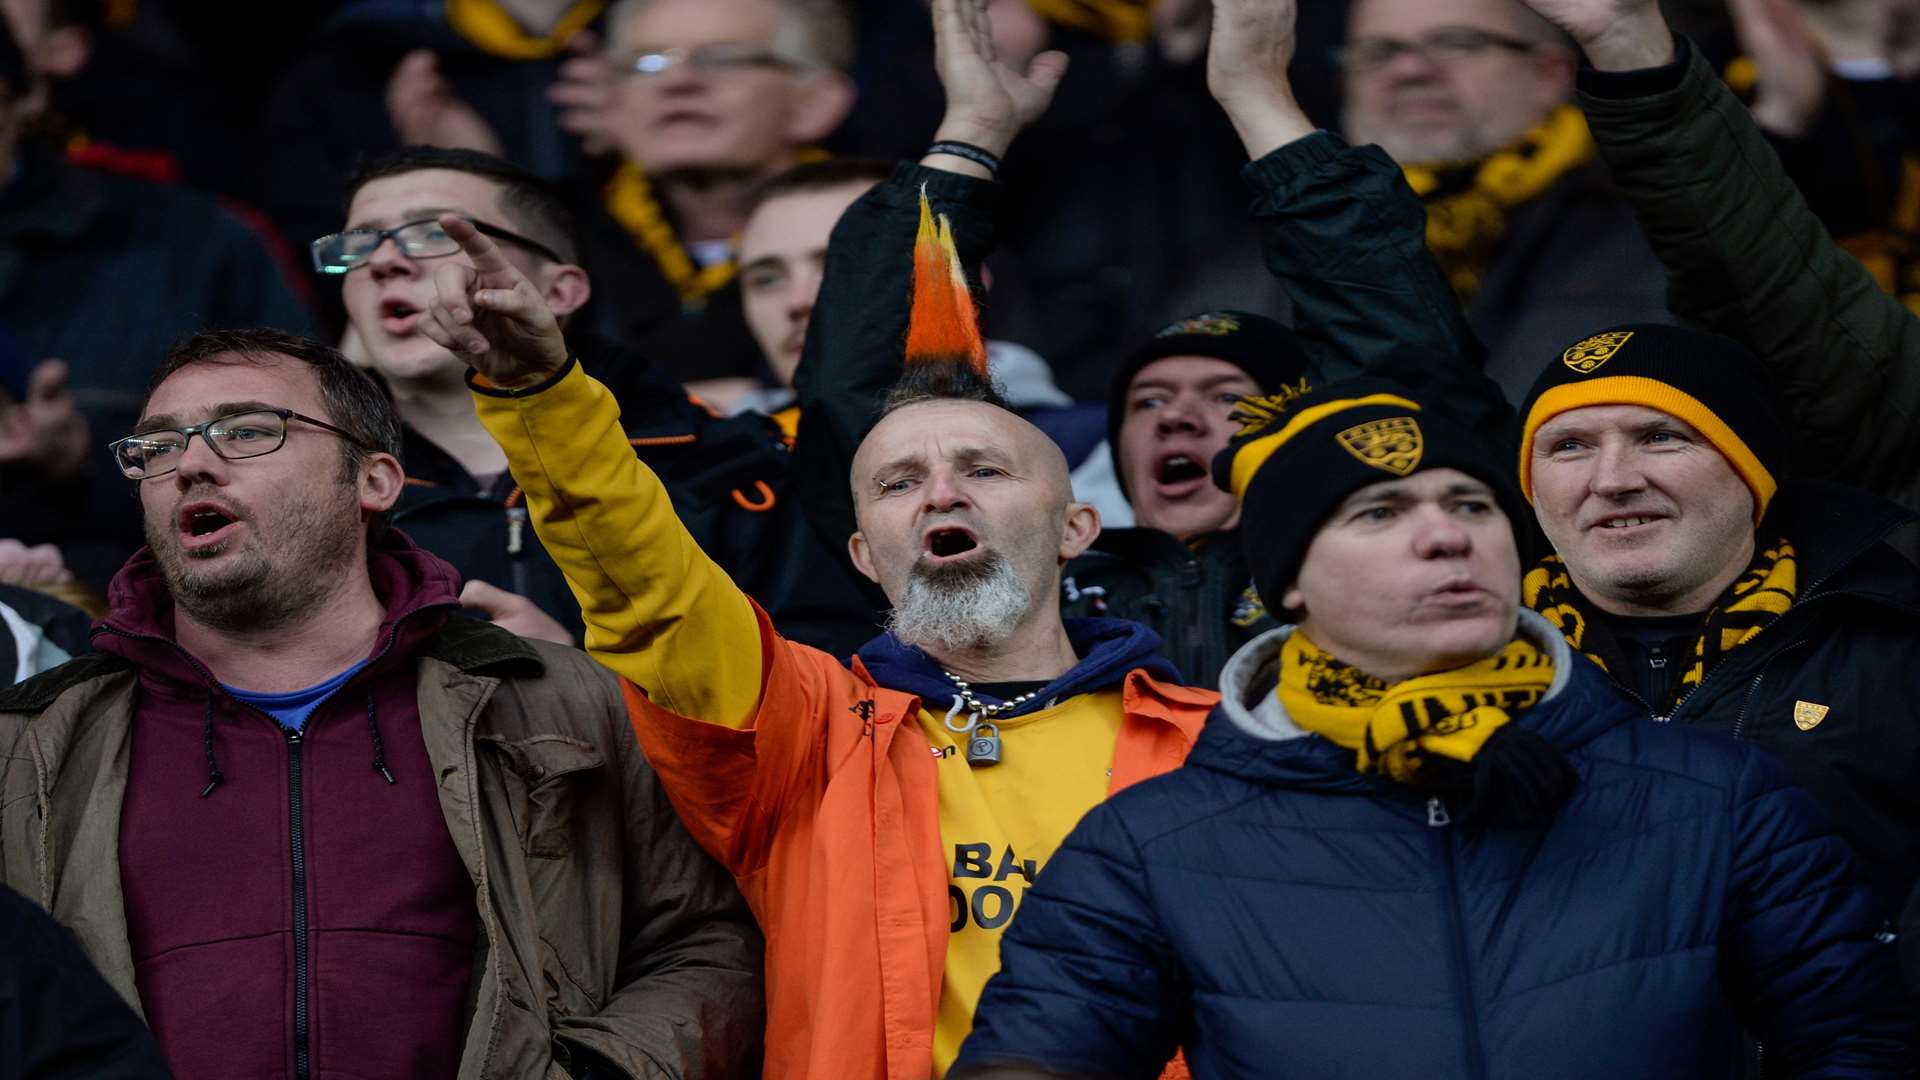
column 1745, row 256
column 657, row 610
column 1342, row 231
column 856, row 340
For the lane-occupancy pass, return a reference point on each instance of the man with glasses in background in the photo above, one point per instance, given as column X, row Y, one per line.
column 1473, row 99
column 705, row 100
column 310, row 824
column 728, row 476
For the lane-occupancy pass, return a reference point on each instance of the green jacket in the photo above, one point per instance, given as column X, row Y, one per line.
column 1745, row 257
column 517, row 731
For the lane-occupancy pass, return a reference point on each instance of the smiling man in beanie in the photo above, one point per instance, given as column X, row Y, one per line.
column 1418, row 814
column 1650, row 455
column 1716, row 586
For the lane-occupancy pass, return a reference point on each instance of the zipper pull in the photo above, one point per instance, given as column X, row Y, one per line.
column 516, row 522
column 293, row 736
column 1437, row 815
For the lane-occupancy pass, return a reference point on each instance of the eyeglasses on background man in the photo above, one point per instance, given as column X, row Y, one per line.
column 338, row 253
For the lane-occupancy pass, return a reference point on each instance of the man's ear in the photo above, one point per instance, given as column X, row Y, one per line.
column 862, row 557
column 381, row 479
column 566, row 289
column 1083, row 526
column 821, row 102
column 1293, row 599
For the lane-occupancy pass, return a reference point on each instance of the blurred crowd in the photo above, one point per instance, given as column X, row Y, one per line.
column 1108, row 308
column 174, row 161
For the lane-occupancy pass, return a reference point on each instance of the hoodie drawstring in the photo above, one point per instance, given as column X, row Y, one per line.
column 213, row 769
column 379, row 753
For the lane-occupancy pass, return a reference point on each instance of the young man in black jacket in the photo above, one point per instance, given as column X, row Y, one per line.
column 1180, row 568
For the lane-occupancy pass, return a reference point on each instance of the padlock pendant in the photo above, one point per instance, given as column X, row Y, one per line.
column 983, row 745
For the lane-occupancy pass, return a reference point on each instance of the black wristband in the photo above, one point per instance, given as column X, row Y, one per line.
column 966, row 150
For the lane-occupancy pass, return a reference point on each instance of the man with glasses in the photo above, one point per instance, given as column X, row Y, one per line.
column 311, row 824
column 460, row 503
column 707, row 100
column 1472, row 98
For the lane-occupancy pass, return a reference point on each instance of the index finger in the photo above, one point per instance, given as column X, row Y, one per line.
column 478, row 246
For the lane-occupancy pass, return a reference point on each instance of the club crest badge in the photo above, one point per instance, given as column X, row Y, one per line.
column 1587, row 356
column 1212, row 324
column 1807, row 715
column 1392, row 445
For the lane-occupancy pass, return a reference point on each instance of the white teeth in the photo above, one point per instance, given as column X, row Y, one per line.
column 1623, row 523
column 1180, row 459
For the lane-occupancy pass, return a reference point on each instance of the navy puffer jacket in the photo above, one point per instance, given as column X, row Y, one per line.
column 1276, row 914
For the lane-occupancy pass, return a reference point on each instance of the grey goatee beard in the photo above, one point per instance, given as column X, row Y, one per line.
column 961, row 605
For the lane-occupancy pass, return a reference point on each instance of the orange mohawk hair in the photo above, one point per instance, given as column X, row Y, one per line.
column 944, row 324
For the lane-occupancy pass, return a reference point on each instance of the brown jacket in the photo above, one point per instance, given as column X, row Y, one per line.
column 620, row 935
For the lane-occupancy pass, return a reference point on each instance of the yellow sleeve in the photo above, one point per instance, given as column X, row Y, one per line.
column 658, row 611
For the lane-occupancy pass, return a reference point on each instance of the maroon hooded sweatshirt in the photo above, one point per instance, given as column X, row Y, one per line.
column 292, row 912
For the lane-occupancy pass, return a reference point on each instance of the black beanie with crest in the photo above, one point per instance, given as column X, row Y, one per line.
column 1297, row 459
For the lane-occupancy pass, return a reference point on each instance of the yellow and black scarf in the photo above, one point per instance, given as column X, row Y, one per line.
column 630, row 201
column 1467, row 206
column 487, row 25
column 1755, row 600
column 1890, row 250
column 1392, row 726
column 1120, row 21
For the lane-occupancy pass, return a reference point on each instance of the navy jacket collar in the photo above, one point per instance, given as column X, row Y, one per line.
column 1250, row 736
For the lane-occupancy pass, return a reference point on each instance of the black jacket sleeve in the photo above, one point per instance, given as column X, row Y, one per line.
column 1346, row 237
column 58, row 1017
column 1746, row 258
column 856, row 341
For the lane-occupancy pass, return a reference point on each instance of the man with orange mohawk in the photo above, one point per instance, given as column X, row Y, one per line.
column 885, row 819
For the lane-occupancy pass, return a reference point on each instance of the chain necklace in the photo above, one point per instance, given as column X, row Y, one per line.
column 981, row 733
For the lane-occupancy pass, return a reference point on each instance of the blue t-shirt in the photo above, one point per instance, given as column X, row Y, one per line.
column 292, row 709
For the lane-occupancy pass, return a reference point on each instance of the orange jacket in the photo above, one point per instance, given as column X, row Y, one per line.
column 825, row 808
column 814, row 786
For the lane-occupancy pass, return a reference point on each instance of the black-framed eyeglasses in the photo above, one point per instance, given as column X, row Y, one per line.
column 340, row 252
column 718, row 58
column 235, row 436
column 1441, row 46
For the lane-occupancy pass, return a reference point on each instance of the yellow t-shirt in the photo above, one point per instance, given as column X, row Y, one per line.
column 999, row 824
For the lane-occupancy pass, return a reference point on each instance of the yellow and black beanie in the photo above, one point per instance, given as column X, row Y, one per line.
column 1297, row 459
column 1712, row 383
column 1268, row 352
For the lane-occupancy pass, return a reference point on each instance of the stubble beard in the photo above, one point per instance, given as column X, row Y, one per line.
column 1410, row 145
column 275, row 578
column 965, row 605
